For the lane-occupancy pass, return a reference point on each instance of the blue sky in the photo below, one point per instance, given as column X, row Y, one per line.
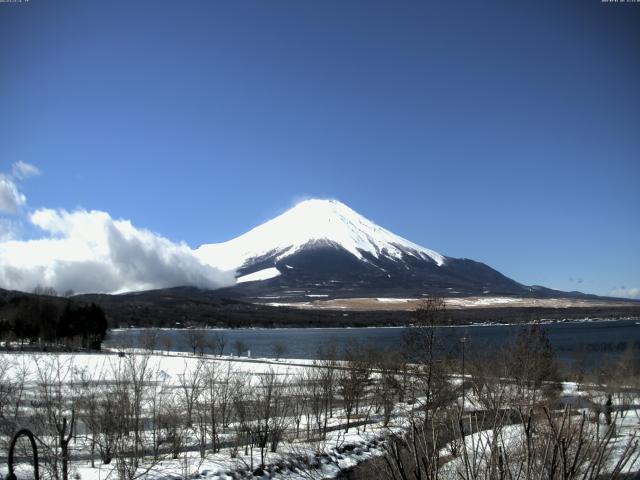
column 506, row 132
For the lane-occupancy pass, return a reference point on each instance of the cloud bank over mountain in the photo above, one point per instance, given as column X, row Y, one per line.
column 88, row 251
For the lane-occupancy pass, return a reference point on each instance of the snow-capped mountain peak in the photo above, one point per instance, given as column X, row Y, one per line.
column 309, row 222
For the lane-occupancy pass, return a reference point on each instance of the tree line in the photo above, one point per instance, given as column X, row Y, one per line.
column 49, row 322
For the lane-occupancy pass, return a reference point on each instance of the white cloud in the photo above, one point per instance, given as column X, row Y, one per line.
column 624, row 292
column 23, row 170
column 8, row 230
column 11, row 199
column 88, row 251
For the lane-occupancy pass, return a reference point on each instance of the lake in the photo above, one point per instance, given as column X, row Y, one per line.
column 591, row 342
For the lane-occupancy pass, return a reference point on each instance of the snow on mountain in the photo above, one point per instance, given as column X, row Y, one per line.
column 264, row 274
column 309, row 222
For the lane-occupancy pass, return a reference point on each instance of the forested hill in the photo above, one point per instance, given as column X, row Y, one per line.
column 50, row 321
column 187, row 306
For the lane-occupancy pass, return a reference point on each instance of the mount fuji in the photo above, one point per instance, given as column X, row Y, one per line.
column 321, row 264
column 323, row 248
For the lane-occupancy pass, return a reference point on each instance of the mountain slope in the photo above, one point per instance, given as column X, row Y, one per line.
column 324, row 248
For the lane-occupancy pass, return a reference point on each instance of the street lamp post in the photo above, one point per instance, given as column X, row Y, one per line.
column 463, row 341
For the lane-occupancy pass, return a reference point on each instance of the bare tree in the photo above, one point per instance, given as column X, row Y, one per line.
column 194, row 340
column 313, row 381
column 230, row 382
column 298, row 395
column 13, row 375
column 55, row 411
column 489, row 381
column 211, row 375
column 241, row 415
column 217, row 342
column 353, row 377
column 191, row 384
column 158, row 392
column 132, row 377
column 279, row 350
column 172, row 425
column 533, row 367
column 417, row 454
column 106, row 425
column 167, row 342
column 148, row 339
column 88, row 409
column 270, row 414
column 389, row 386
column 239, row 347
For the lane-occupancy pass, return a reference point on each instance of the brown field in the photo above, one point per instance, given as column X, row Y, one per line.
column 409, row 304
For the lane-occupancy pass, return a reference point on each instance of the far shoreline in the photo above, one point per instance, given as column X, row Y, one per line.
column 362, row 327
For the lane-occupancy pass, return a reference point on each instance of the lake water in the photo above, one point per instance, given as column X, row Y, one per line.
column 590, row 342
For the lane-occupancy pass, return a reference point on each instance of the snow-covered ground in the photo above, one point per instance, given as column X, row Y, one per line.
column 295, row 459
column 297, row 456
column 173, row 364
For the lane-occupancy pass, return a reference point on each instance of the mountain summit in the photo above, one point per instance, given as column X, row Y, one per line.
column 309, row 223
column 323, row 248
